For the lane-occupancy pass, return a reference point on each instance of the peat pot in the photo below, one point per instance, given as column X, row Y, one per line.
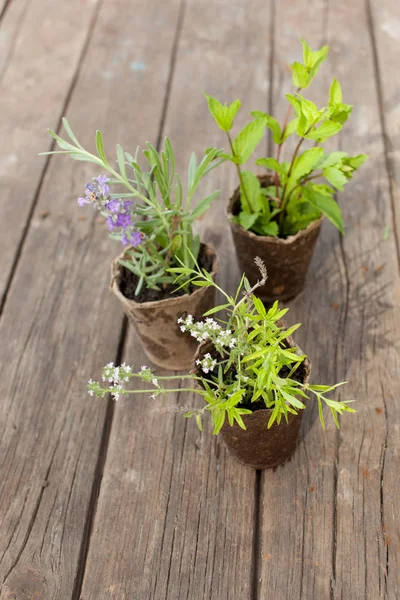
column 257, row 446
column 287, row 259
column 156, row 321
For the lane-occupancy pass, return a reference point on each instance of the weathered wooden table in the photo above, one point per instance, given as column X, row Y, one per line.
column 130, row 501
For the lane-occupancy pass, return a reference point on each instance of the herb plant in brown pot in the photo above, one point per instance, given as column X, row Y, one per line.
column 147, row 211
column 277, row 216
column 252, row 377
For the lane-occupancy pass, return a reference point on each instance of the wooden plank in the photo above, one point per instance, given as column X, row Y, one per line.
column 61, row 322
column 384, row 25
column 328, row 537
column 176, row 512
column 45, row 41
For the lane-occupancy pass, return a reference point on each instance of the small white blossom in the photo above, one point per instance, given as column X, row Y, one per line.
column 154, row 381
column 183, row 328
column 144, row 368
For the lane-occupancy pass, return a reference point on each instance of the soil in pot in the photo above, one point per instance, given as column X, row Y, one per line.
column 129, row 282
column 156, row 320
column 287, row 259
column 257, row 446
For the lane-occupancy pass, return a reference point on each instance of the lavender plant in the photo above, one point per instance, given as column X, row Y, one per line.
column 295, row 199
column 146, row 209
column 248, row 361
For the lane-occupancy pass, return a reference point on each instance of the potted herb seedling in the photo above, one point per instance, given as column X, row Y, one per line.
column 278, row 215
column 147, row 211
column 252, row 377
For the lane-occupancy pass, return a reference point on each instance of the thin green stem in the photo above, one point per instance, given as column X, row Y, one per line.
column 238, row 171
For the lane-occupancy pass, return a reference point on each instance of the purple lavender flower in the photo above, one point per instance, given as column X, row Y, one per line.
column 114, row 205
column 102, row 179
column 123, row 220
column 134, row 239
column 96, row 192
column 127, row 204
column 110, row 223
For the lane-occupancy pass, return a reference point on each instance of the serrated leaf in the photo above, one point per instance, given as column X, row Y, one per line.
column 335, row 177
column 222, row 113
column 332, row 159
column 247, row 140
column 303, row 165
column 326, row 204
column 272, row 163
column 250, row 196
column 300, row 75
column 325, row 131
column 356, row 161
column 271, row 123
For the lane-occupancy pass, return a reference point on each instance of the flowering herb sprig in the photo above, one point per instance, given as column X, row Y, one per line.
column 146, row 209
column 295, row 199
column 247, row 360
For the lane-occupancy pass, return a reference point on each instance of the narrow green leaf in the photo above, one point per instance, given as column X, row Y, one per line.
column 204, row 205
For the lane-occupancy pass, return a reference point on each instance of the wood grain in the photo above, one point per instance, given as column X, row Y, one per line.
column 42, row 43
column 183, row 508
column 333, row 515
column 61, row 322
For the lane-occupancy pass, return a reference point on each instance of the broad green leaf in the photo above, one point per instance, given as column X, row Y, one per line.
column 250, row 197
column 295, row 102
column 325, row 131
column 310, row 57
column 204, row 205
column 326, row 204
column 335, row 177
column 222, row 113
column 356, row 161
column 272, row 163
column 247, row 140
column 291, row 127
column 335, row 93
column 266, row 228
column 332, row 159
column 271, row 123
column 303, row 165
column 247, row 219
column 309, row 109
column 300, row 75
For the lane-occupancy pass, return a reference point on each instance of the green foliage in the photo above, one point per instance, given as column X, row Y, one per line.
column 223, row 114
column 161, row 213
column 295, row 202
column 248, row 359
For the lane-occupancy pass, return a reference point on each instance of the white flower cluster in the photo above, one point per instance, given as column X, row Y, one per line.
column 207, row 330
column 116, row 375
column 208, row 363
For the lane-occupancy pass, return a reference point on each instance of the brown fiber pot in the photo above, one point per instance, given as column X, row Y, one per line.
column 287, row 259
column 257, row 446
column 156, row 322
